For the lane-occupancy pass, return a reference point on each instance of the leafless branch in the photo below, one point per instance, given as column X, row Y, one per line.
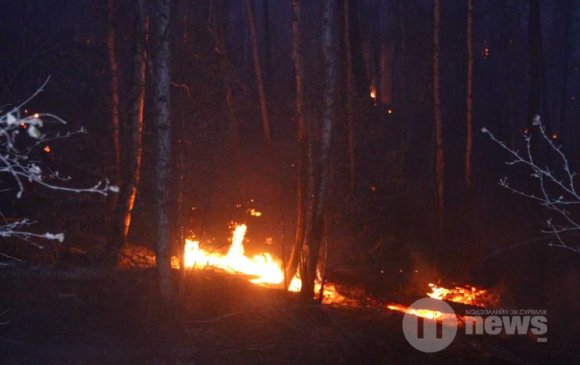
column 555, row 193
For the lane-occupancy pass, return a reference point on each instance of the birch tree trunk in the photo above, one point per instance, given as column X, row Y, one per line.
column 322, row 167
column 126, row 201
column 302, row 136
column 439, row 161
column 469, row 99
column 258, row 71
column 162, row 100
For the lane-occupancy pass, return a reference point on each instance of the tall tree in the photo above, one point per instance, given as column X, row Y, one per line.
column 258, row 71
column 569, row 131
column 536, row 54
column 302, row 137
column 162, row 102
column 438, row 119
column 469, row 98
column 131, row 175
column 227, row 73
column 267, row 44
column 114, row 71
column 349, row 96
column 321, row 161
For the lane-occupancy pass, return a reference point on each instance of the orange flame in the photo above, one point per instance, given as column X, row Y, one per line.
column 263, row 268
column 468, row 295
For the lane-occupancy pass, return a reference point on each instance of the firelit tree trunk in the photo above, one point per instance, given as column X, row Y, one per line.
column 402, row 87
column 349, row 97
column 322, row 159
column 438, row 127
column 162, row 100
column 258, row 71
column 114, row 70
column 267, row 45
column 302, row 136
column 359, row 69
column 469, row 99
column 131, row 176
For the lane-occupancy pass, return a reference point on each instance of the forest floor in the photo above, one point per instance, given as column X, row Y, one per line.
column 93, row 316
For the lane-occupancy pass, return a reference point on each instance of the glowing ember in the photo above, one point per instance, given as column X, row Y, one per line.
column 373, row 94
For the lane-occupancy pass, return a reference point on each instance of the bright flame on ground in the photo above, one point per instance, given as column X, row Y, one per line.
column 468, row 295
column 424, row 313
column 263, row 267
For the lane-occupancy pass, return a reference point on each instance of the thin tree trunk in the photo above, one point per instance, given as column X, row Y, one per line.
column 115, row 107
column 318, row 199
column 126, row 201
column 469, row 99
column 161, row 85
column 228, row 80
column 403, row 89
column 349, row 97
column 302, row 136
column 267, row 45
column 439, row 161
column 361, row 79
column 258, row 71
column 568, row 132
column 536, row 59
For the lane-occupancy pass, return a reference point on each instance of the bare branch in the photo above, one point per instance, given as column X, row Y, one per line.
column 558, row 195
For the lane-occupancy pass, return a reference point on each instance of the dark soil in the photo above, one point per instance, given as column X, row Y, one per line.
column 94, row 316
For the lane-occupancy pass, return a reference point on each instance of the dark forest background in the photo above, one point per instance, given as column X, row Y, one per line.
column 391, row 210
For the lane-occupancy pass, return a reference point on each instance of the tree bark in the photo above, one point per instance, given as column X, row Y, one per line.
column 228, row 81
column 302, row 139
column 568, row 132
column 162, row 100
column 322, row 169
column 258, row 71
column 126, row 200
column 114, row 70
column 469, row 99
column 439, row 157
column 349, row 97
column 535, row 49
column 267, row 45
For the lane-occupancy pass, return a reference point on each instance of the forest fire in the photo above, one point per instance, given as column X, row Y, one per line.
column 467, row 295
column 263, row 268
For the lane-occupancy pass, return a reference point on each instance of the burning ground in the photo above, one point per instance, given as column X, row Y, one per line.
column 246, row 316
